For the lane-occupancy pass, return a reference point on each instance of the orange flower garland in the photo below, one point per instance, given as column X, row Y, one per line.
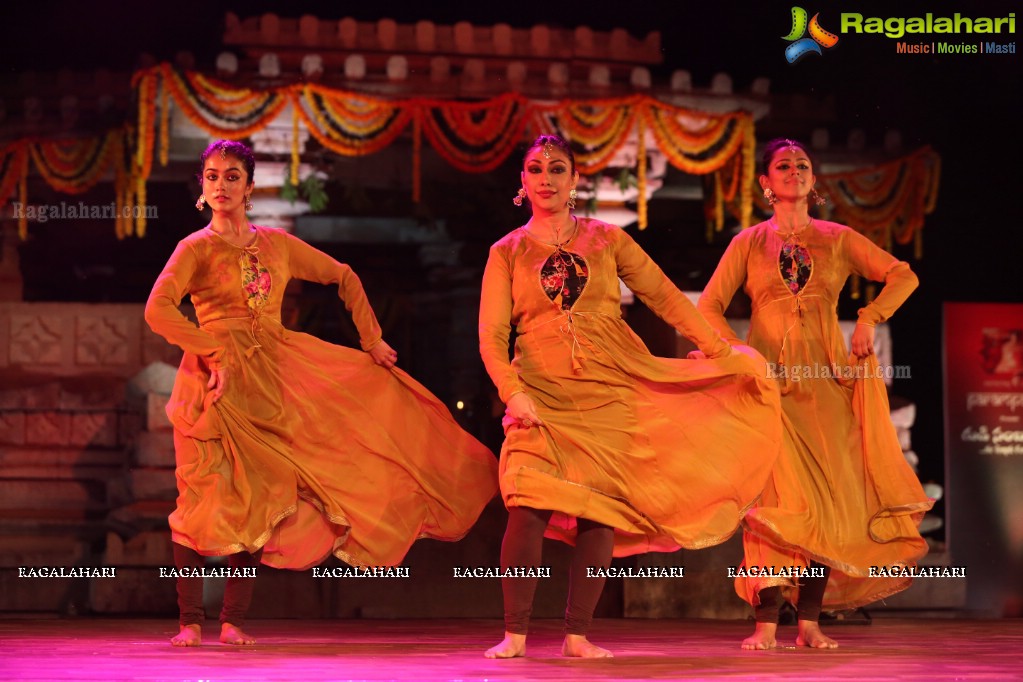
column 417, row 158
column 350, row 124
column 474, row 137
column 887, row 203
column 77, row 165
column 641, row 218
column 13, row 165
column 471, row 136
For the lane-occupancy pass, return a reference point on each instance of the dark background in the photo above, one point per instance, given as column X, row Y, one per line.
column 966, row 106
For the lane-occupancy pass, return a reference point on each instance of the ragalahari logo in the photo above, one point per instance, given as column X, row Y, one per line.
column 802, row 46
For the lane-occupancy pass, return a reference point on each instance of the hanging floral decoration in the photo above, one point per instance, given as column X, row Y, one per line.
column 474, row 137
column 221, row 110
column 350, row 124
column 886, row 202
column 74, row 166
column 599, row 127
column 700, row 143
column 66, row 165
column 13, row 163
column 13, row 178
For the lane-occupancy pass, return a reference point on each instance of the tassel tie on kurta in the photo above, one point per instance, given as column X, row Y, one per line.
column 569, row 328
column 797, row 310
column 255, row 327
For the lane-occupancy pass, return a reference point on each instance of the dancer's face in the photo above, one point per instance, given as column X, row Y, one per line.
column 548, row 177
column 225, row 183
column 790, row 174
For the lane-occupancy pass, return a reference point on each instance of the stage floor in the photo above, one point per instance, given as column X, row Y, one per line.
column 126, row 649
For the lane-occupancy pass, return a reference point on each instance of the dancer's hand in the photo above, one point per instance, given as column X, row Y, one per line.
column 217, row 382
column 863, row 340
column 384, row 355
column 522, row 408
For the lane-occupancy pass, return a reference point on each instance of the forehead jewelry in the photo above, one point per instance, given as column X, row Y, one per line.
column 223, row 153
column 792, row 145
column 547, row 146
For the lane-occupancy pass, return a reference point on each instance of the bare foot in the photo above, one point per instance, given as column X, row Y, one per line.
column 762, row 638
column 577, row 646
column 230, row 634
column 810, row 635
column 190, row 635
column 512, row 646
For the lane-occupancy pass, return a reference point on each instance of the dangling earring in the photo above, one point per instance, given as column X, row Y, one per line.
column 200, row 204
column 572, row 194
column 771, row 197
column 519, row 196
column 248, row 202
column 818, row 199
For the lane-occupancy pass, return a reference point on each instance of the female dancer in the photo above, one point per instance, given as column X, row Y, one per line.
column 607, row 447
column 841, row 498
column 289, row 448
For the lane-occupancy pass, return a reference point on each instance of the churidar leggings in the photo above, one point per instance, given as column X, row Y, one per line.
column 522, row 547
column 237, row 592
column 811, row 594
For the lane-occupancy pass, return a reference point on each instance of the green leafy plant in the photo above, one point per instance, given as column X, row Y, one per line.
column 312, row 190
column 626, row 179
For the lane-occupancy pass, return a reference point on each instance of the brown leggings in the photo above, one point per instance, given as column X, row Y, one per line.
column 811, row 595
column 523, row 546
column 237, row 592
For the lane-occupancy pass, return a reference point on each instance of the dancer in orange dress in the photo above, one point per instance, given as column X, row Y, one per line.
column 841, row 498
column 289, row 448
column 607, row 447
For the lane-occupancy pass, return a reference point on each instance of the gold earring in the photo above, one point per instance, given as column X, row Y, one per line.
column 818, row 199
column 200, row 204
column 770, row 196
column 572, row 194
column 519, row 196
column 248, row 202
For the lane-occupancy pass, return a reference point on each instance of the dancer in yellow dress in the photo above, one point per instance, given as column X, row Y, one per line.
column 290, row 448
column 607, row 447
column 841, row 498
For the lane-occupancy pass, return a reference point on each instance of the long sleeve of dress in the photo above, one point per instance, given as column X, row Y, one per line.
column 649, row 282
column 309, row 263
column 166, row 319
column 495, row 325
column 872, row 262
column 726, row 280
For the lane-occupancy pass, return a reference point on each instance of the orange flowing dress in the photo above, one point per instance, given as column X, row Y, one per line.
column 668, row 452
column 313, row 448
column 841, row 493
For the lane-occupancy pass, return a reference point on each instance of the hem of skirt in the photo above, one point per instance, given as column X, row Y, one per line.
column 236, row 547
column 848, row 569
column 877, row 596
column 774, row 537
column 339, row 520
column 702, row 544
column 895, row 588
column 908, row 509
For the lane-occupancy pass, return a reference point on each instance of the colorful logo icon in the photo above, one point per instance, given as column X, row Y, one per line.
column 801, row 46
